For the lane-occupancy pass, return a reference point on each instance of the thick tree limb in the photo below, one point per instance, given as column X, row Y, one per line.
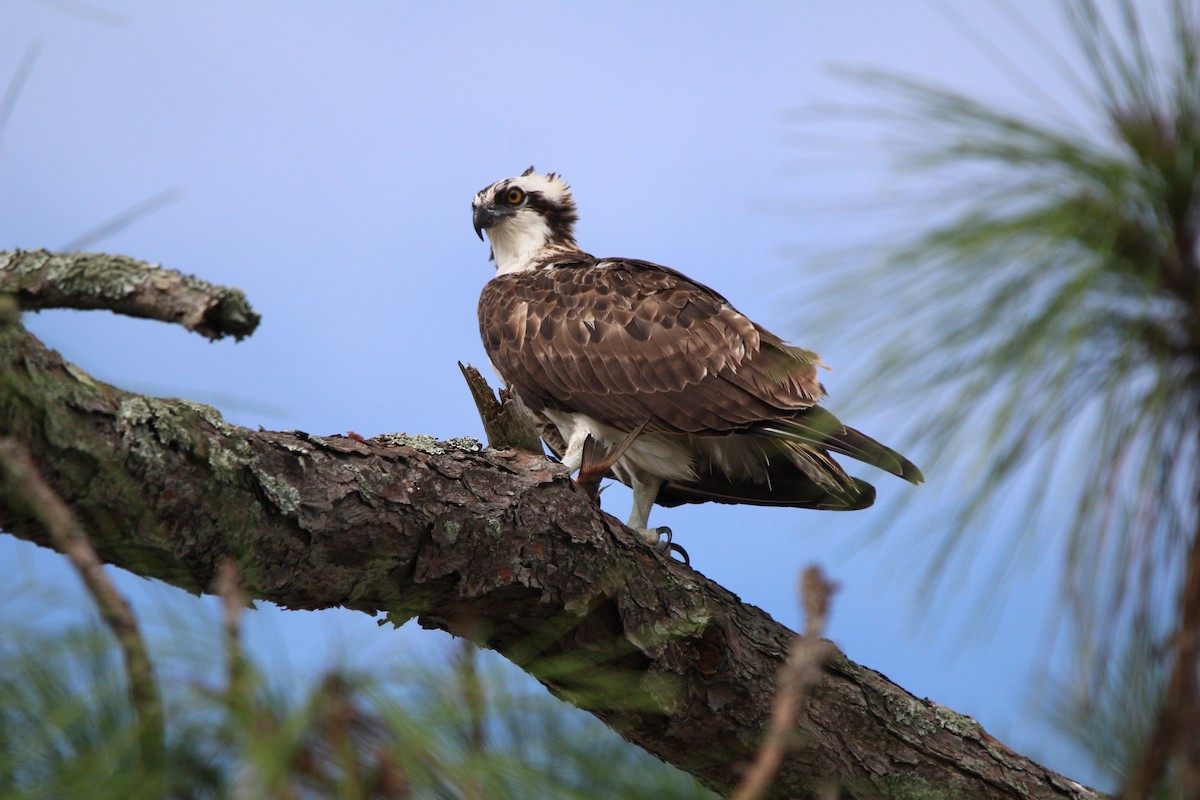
column 500, row 547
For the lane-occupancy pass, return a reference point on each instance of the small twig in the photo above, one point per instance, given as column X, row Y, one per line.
column 68, row 535
column 473, row 696
column 816, row 595
column 349, row 751
column 248, row 723
column 466, row 669
column 1175, row 731
column 337, row 721
column 41, row 279
column 228, row 586
column 801, row 672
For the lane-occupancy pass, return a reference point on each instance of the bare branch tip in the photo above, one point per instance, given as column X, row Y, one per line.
column 816, row 595
column 40, row 279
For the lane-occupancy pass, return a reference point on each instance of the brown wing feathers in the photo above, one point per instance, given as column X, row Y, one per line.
column 629, row 340
column 625, row 340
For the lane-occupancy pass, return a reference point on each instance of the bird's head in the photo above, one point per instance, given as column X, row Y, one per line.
column 526, row 219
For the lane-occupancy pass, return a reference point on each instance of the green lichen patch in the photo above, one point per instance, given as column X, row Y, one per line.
column 361, row 483
column 147, row 425
column 134, row 412
column 298, row 449
column 958, row 724
column 209, row 415
column 168, row 421
column 911, row 712
column 417, row 441
column 226, row 463
column 319, row 441
column 916, row 714
column 97, row 275
column 428, row 444
column 282, row 494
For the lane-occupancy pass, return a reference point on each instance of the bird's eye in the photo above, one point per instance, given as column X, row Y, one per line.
column 514, row 196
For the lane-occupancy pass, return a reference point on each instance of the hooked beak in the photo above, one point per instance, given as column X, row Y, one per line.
column 487, row 216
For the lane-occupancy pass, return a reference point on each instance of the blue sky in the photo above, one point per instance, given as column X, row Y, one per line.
column 322, row 157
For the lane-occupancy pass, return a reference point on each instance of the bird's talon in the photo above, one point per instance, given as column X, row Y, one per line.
column 655, row 536
column 683, row 554
column 660, row 539
column 664, row 535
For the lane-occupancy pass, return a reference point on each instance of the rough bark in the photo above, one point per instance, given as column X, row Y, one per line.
column 499, row 547
column 41, row 279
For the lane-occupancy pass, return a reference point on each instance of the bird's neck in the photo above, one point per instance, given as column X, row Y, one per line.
column 522, row 248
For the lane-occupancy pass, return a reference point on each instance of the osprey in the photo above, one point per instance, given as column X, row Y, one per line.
column 693, row 401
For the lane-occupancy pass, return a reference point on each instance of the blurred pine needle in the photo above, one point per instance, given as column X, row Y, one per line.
column 67, row 729
column 1043, row 330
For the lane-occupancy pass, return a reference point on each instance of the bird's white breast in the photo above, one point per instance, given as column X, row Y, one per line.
column 663, row 455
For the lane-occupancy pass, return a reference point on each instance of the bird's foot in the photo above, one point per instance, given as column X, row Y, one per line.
column 660, row 539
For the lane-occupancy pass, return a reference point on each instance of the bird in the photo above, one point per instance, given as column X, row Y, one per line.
column 689, row 400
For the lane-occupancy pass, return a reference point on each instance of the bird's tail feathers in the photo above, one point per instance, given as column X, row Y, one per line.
column 816, row 426
column 796, row 491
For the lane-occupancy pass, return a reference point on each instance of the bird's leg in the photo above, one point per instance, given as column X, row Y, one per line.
column 595, row 460
column 645, row 490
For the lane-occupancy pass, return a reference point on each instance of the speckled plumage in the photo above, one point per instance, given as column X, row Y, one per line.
column 624, row 340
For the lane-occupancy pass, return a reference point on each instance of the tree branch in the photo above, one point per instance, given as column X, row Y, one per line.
column 500, row 547
column 40, row 279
